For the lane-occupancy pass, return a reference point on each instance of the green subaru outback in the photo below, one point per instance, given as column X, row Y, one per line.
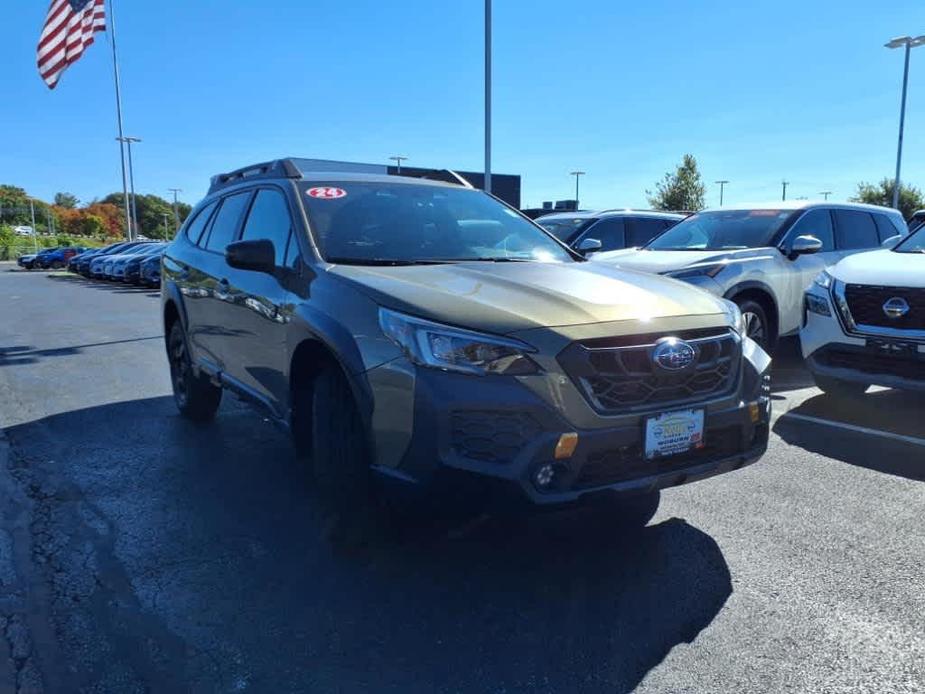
column 412, row 333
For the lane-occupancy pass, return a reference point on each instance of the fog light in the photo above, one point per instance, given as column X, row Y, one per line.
column 754, row 411
column 566, row 446
column 544, row 475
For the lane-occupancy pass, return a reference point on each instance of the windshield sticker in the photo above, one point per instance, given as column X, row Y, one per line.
column 327, row 193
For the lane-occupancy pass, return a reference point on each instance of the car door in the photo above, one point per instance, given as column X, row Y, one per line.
column 211, row 332
column 795, row 275
column 609, row 231
column 641, row 230
column 255, row 308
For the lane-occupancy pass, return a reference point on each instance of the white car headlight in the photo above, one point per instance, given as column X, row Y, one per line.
column 699, row 271
column 736, row 320
column 454, row 349
column 823, row 279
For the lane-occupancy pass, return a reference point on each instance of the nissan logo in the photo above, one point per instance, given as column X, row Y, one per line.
column 673, row 354
column 897, row 307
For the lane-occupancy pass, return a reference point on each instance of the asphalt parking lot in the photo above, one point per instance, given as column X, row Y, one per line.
column 139, row 552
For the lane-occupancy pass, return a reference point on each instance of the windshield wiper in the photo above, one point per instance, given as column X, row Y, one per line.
column 492, row 259
column 389, row 262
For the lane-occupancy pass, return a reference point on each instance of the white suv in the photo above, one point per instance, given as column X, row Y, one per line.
column 865, row 321
column 763, row 257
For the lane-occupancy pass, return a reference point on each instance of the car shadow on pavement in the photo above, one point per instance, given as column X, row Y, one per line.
column 788, row 369
column 103, row 285
column 897, row 414
column 26, row 354
column 208, row 563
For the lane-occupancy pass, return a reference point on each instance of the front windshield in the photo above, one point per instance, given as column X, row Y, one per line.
column 399, row 223
column 564, row 228
column 722, row 230
column 914, row 243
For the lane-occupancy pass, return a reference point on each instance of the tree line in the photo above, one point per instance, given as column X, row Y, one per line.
column 97, row 219
column 684, row 190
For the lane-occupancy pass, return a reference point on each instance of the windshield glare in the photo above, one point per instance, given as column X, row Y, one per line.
column 399, row 222
column 914, row 243
column 722, row 230
column 564, row 229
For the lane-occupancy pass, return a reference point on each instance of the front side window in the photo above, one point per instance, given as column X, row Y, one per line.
column 609, row 232
column 641, row 230
column 855, row 229
column 914, row 243
column 269, row 219
column 816, row 223
column 723, row 230
column 566, row 229
column 885, row 228
column 398, row 223
column 226, row 221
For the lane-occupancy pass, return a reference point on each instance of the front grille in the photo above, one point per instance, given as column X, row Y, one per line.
column 629, row 462
column 866, row 305
column 625, row 378
column 491, row 436
column 870, row 362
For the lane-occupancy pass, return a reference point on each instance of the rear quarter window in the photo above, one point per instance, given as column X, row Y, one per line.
column 198, row 223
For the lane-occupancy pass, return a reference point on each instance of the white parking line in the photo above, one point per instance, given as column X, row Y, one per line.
column 914, row 440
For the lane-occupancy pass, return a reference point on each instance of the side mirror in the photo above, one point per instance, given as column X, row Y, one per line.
column 892, row 241
column 588, row 246
column 804, row 245
column 258, row 255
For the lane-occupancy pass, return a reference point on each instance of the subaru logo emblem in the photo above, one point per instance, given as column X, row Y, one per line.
column 897, row 307
column 673, row 354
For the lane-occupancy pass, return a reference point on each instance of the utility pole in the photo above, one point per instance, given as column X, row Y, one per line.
column 909, row 44
column 825, row 194
column 488, row 96
column 722, row 186
column 35, row 243
column 131, row 180
column 115, row 70
column 576, row 174
column 176, row 209
column 166, row 231
column 398, row 159
column 784, row 184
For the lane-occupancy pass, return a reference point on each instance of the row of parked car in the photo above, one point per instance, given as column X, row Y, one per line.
column 49, row 258
column 132, row 262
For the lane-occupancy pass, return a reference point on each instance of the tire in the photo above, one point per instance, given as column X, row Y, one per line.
column 839, row 389
column 56, row 265
column 757, row 326
column 196, row 398
column 339, row 447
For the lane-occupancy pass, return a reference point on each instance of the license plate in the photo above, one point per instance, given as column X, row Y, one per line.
column 671, row 433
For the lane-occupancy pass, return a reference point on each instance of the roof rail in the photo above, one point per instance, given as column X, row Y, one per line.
column 443, row 175
column 279, row 168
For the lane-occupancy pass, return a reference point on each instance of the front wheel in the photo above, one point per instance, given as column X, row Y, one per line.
column 57, row 265
column 196, row 398
column 757, row 326
column 838, row 388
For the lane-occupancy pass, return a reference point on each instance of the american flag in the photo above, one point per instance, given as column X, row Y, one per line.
column 69, row 29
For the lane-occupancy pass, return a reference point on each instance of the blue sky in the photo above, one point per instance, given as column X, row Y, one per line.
column 757, row 91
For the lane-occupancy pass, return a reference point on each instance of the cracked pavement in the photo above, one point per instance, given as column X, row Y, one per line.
column 141, row 553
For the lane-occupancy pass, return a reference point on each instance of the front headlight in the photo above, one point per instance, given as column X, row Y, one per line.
column 823, row 279
column 701, row 271
column 736, row 320
column 454, row 349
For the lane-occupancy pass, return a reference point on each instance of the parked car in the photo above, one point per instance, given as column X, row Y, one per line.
column 418, row 330
column 34, row 261
column 93, row 266
column 610, row 230
column 57, row 258
column 916, row 220
column 763, row 257
column 865, row 321
column 26, row 260
column 129, row 268
column 150, row 275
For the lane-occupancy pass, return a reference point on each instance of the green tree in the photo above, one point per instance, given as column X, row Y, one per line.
column 681, row 190
column 14, row 206
column 66, row 200
column 151, row 211
column 910, row 197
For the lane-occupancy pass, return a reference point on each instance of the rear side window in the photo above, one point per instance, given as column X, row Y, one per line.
column 641, row 230
column 195, row 228
column 269, row 219
column 816, row 223
column 885, row 228
column 855, row 229
column 227, row 220
column 609, row 232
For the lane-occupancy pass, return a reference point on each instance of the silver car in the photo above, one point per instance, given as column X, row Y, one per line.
column 764, row 257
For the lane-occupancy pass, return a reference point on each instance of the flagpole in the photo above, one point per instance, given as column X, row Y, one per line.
column 115, row 69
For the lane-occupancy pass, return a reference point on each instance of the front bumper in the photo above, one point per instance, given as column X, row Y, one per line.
column 498, row 431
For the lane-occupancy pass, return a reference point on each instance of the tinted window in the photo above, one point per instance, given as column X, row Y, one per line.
column 226, row 221
column 885, row 228
column 723, row 230
column 269, row 219
column 609, row 232
column 641, row 230
column 564, row 229
column 292, row 252
column 816, row 223
column 855, row 229
column 195, row 228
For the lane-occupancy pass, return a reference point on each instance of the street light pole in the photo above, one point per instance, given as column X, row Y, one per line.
column 488, row 96
column 176, row 209
column 722, row 186
column 784, row 185
column 131, row 180
column 398, row 159
column 166, row 231
column 576, row 174
column 825, row 194
column 909, row 44
column 35, row 242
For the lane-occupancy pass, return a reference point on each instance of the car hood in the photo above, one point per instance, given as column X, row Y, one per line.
column 667, row 261
column 882, row 267
column 509, row 297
